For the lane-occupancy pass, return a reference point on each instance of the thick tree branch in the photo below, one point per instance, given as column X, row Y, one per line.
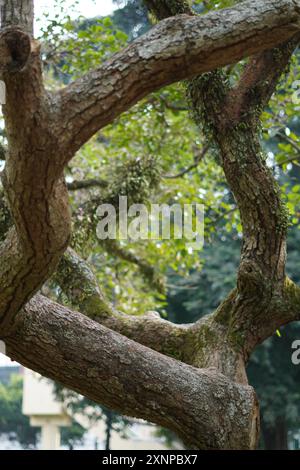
column 282, row 310
column 198, row 159
column 132, row 379
column 258, row 82
column 231, row 119
column 206, row 343
column 175, row 49
column 32, row 180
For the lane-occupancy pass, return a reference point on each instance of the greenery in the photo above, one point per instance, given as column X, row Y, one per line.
column 15, row 426
column 161, row 131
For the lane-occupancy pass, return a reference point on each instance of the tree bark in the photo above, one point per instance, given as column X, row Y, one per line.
column 198, row 386
column 203, row 407
column 18, row 13
column 175, row 49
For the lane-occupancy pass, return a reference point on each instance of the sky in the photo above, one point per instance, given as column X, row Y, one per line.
column 87, row 8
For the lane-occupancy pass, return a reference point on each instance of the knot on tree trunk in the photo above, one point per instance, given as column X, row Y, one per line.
column 15, row 48
column 251, row 281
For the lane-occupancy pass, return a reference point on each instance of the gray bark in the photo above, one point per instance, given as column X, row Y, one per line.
column 203, row 406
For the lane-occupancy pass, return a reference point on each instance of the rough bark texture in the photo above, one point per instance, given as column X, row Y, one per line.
column 193, row 378
column 18, row 13
column 132, row 379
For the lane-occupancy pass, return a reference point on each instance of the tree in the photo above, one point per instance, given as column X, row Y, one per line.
column 270, row 369
column 130, row 363
column 13, row 424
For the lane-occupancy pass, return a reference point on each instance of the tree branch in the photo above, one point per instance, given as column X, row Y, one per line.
column 231, row 120
column 155, row 280
column 129, row 378
column 32, row 177
column 175, row 49
column 258, row 82
column 87, row 184
column 79, row 284
column 282, row 310
column 191, row 167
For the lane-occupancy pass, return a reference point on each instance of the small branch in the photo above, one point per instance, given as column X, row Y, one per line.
column 220, row 217
column 87, row 184
column 258, row 82
column 156, row 281
column 173, row 106
column 288, row 160
column 191, row 167
column 132, row 379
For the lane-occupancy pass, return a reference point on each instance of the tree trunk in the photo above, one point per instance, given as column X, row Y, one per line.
column 275, row 437
column 108, row 431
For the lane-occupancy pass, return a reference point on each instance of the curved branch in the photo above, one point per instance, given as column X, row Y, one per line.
column 282, row 310
column 130, row 378
column 258, row 82
column 231, row 117
column 175, row 49
column 263, row 215
column 32, row 180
